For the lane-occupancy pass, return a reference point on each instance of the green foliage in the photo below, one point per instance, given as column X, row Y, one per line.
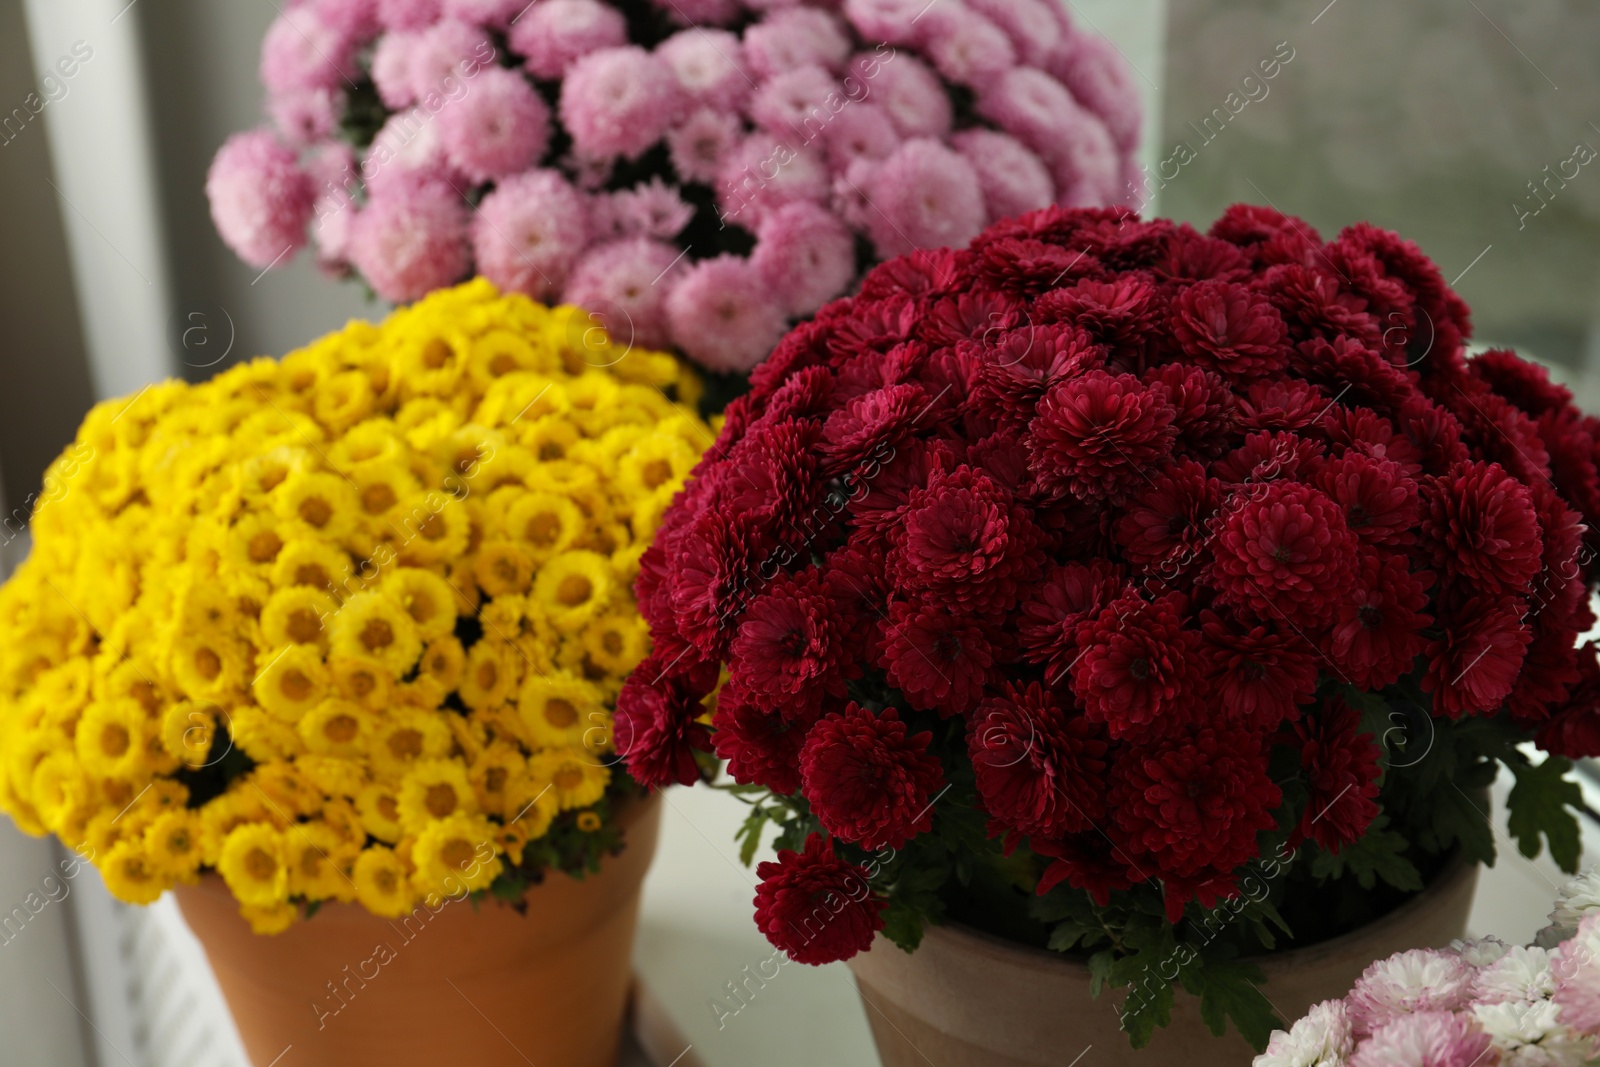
column 1229, row 990
column 1379, row 854
column 1538, row 805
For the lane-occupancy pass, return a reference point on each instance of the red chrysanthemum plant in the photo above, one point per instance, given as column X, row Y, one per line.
column 1147, row 594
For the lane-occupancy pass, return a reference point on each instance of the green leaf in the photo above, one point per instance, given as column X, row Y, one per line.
column 1538, row 804
column 1066, row 935
column 1457, row 817
column 1148, row 1006
column 749, row 789
column 750, row 834
column 1100, row 965
column 903, row 924
column 1228, row 991
column 1379, row 853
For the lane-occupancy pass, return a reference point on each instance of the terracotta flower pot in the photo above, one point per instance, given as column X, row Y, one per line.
column 481, row 985
column 966, row 999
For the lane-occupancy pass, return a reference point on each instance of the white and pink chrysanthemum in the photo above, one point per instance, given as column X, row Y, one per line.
column 1419, row 980
column 1478, row 1004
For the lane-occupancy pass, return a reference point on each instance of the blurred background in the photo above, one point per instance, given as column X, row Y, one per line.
column 1466, row 125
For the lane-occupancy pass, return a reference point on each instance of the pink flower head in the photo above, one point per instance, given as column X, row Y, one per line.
column 554, row 34
column 442, row 55
column 1101, row 81
column 408, row 146
column 652, row 209
column 795, row 103
column 1014, row 180
column 305, row 116
column 625, row 283
column 763, row 174
column 965, row 46
column 495, row 13
column 924, row 196
column 709, row 66
column 796, row 37
column 411, row 239
column 619, row 102
column 357, row 19
column 805, row 255
column 1087, row 166
column 529, row 232
column 1578, row 978
column 260, row 197
column 1032, row 106
column 1421, row 980
column 1035, row 30
column 860, row 131
column 300, row 51
column 894, row 21
column 909, row 90
column 1427, row 1039
column 498, row 128
column 391, row 68
column 699, row 146
column 407, row 14
column 722, row 314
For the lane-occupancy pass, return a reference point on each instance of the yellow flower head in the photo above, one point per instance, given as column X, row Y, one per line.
column 544, row 523
column 363, row 680
column 424, row 596
column 337, row 728
column 371, row 624
column 456, row 855
column 297, row 615
column 254, row 863
column 319, row 860
column 560, row 709
column 493, row 771
column 405, row 736
column 443, row 662
column 491, row 674
column 132, row 874
column 172, row 845
column 111, row 738
column 573, row 588
column 312, row 563
column 383, row 885
column 504, row 568
column 575, row 778
column 378, row 804
column 435, row 789
column 294, row 681
column 188, row 731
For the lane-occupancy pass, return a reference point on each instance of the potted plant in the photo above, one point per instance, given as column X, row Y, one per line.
column 697, row 174
column 330, row 645
column 1479, row 1002
column 1111, row 605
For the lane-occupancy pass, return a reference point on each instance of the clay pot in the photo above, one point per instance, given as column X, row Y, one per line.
column 481, row 985
column 966, row 999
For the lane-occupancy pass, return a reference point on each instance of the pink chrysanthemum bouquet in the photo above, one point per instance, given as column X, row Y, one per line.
column 700, row 173
column 1476, row 1004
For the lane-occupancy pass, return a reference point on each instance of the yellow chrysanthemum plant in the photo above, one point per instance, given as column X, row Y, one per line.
column 348, row 625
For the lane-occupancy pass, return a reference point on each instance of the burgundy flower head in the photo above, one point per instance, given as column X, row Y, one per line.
column 816, row 907
column 868, row 779
column 1095, row 434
